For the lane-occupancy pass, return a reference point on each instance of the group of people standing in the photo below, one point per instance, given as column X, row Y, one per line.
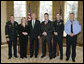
column 45, row 30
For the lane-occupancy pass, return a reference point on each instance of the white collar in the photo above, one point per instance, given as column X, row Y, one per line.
column 33, row 20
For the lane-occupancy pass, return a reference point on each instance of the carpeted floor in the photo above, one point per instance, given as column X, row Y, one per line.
column 4, row 57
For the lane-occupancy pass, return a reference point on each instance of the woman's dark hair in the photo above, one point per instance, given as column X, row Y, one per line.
column 58, row 13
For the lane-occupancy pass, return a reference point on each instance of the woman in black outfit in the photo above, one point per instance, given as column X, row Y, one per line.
column 23, row 37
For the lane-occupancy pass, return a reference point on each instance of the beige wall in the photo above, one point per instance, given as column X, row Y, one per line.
column 56, row 8
column 6, row 10
column 10, row 9
column 3, row 20
column 80, row 19
column 34, row 6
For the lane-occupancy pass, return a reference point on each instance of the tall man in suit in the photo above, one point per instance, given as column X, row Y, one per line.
column 11, row 32
column 46, row 31
column 58, row 35
column 34, row 33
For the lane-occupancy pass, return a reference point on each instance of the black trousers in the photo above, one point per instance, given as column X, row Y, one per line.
column 48, row 40
column 58, row 40
column 14, row 43
column 23, row 46
column 71, row 41
column 32, row 41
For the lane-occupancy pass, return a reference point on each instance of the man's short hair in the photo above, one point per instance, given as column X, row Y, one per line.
column 59, row 14
column 72, row 13
column 11, row 15
column 33, row 13
column 46, row 14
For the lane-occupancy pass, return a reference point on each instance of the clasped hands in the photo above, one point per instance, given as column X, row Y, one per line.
column 24, row 33
column 55, row 33
column 44, row 33
column 72, row 34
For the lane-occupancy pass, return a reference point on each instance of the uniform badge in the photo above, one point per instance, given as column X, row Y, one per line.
column 9, row 25
column 60, row 23
column 57, row 23
column 15, row 24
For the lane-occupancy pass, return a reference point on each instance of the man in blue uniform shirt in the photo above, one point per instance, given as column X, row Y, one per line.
column 72, row 28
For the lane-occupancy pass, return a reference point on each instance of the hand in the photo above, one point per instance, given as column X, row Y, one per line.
column 28, row 36
column 44, row 33
column 72, row 34
column 7, row 39
column 55, row 33
column 24, row 33
column 17, row 38
column 38, row 37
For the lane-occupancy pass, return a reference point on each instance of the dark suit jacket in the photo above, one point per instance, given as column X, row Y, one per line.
column 58, row 27
column 23, row 29
column 34, row 32
column 23, row 39
column 47, row 28
column 11, row 31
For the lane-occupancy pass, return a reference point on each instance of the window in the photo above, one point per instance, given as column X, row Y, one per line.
column 70, row 6
column 19, row 10
column 45, row 7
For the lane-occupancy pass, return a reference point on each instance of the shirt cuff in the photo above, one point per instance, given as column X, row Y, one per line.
column 6, row 36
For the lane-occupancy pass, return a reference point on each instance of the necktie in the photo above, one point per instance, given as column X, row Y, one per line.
column 71, row 28
column 33, row 24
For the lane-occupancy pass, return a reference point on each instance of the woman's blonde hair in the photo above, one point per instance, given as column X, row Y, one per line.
column 22, row 21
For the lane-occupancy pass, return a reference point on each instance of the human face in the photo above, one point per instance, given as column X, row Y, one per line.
column 46, row 17
column 12, row 18
column 72, row 17
column 23, row 20
column 33, row 16
column 58, row 16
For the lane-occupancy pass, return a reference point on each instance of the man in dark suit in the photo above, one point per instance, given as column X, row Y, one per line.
column 11, row 32
column 34, row 33
column 58, row 35
column 46, row 30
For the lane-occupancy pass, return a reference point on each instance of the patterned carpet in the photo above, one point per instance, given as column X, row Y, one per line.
column 4, row 57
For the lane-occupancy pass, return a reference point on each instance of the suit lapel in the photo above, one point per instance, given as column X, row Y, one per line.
column 31, row 24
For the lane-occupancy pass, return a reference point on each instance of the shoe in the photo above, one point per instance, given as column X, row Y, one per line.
column 43, row 56
column 9, row 58
column 50, row 58
column 15, row 56
column 54, row 56
column 67, row 59
column 73, row 60
column 31, row 56
column 21, row 57
column 25, row 56
column 61, row 58
column 35, row 56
